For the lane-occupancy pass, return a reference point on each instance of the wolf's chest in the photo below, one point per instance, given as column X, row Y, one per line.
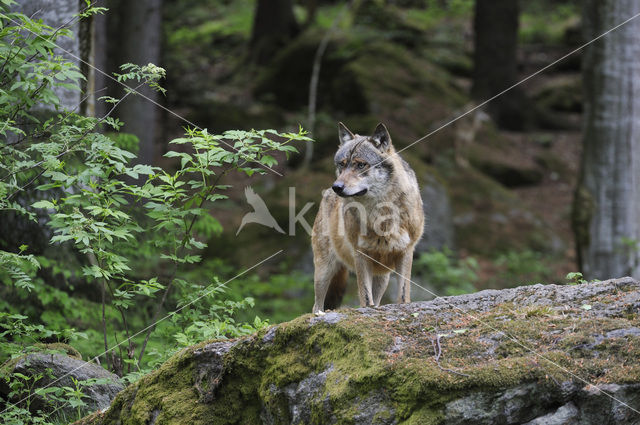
column 382, row 230
column 393, row 242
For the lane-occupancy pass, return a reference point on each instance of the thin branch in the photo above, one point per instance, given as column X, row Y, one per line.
column 437, row 352
column 103, row 296
column 8, row 58
column 156, row 314
column 104, row 323
column 313, row 84
column 29, row 183
column 125, row 323
column 53, row 124
column 82, row 136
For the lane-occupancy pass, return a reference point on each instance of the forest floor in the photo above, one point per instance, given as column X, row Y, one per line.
column 550, row 147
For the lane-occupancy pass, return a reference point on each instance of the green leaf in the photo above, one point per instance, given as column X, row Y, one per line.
column 268, row 160
column 43, row 204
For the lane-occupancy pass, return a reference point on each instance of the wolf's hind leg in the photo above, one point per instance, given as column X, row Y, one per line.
column 379, row 285
column 329, row 281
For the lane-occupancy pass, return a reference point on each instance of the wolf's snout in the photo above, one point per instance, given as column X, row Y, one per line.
column 338, row 187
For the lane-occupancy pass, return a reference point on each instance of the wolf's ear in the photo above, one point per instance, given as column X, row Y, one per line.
column 344, row 134
column 381, row 138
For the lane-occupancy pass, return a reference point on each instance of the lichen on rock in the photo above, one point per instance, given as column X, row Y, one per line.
column 533, row 354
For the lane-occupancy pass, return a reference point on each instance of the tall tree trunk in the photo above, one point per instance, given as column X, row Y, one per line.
column 134, row 34
column 100, row 59
column 495, row 60
column 273, row 26
column 606, row 213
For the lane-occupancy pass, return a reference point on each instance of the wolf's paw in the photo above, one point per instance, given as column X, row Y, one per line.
column 320, row 313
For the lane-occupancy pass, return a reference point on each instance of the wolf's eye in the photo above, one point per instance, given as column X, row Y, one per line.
column 360, row 165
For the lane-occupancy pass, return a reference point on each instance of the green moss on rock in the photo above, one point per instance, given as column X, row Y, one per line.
column 379, row 365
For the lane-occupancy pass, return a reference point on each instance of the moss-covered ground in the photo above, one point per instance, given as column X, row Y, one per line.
column 391, row 351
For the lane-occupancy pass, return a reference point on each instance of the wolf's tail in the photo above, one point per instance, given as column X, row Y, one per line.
column 336, row 290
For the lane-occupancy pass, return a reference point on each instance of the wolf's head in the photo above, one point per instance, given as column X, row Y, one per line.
column 360, row 162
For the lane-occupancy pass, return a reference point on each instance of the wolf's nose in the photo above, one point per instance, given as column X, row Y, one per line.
column 338, row 187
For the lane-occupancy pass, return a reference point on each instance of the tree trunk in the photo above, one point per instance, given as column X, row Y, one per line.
column 273, row 26
column 495, row 61
column 134, row 34
column 606, row 213
column 59, row 13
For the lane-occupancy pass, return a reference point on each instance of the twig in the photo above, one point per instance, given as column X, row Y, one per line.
column 126, row 327
column 156, row 314
column 104, row 323
column 437, row 352
column 313, row 84
column 53, row 124
column 82, row 136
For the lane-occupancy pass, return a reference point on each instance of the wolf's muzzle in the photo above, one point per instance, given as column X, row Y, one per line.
column 338, row 187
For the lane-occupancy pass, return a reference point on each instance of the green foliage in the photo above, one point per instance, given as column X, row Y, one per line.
column 547, row 23
column 518, row 267
column 446, row 274
column 575, row 278
column 228, row 19
column 18, row 268
column 200, row 30
column 282, row 296
column 435, row 11
column 127, row 141
column 18, row 335
column 129, row 233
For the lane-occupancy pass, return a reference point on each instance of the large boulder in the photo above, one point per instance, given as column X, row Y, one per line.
column 537, row 354
column 53, row 368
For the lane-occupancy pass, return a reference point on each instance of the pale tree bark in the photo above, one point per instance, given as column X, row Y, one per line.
column 606, row 215
column 57, row 14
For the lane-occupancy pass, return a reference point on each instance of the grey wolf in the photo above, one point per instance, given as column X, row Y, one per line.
column 368, row 222
column 260, row 214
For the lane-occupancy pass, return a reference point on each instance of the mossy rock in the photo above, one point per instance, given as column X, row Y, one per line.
column 390, row 23
column 362, row 81
column 504, row 170
column 558, row 103
column 490, row 219
column 58, row 347
column 286, row 81
column 509, row 356
column 56, row 365
column 563, row 94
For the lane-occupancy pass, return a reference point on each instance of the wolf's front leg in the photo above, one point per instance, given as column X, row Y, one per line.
column 380, row 283
column 403, row 269
column 364, row 276
column 326, row 269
